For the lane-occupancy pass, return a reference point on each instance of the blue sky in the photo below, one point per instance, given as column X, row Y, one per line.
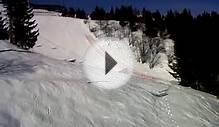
column 196, row 6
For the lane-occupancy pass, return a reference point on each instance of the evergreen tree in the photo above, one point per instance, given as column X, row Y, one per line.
column 3, row 31
column 98, row 14
column 112, row 14
column 22, row 28
column 72, row 12
column 65, row 12
column 80, row 14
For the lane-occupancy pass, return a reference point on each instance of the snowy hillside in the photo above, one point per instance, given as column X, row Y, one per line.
column 41, row 89
column 66, row 38
column 61, row 37
column 156, row 53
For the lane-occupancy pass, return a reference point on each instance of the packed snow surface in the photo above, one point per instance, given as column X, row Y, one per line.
column 41, row 89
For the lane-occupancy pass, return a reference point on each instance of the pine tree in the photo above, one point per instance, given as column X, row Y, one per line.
column 81, row 14
column 65, row 12
column 98, row 14
column 72, row 12
column 3, row 31
column 111, row 14
column 3, row 28
column 22, row 28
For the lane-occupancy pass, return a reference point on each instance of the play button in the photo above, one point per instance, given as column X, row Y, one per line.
column 108, row 63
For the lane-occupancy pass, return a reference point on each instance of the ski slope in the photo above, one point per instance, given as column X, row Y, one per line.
column 42, row 89
column 62, row 38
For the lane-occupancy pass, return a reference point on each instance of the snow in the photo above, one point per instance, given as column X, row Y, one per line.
column 39, row 88
column 62, row 37
column 159, row 52
column 67, row 38
column 40, row 91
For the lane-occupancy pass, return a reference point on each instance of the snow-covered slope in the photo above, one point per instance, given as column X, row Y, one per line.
column 62, row 37
column 66, row 38
column 38, row 91
column 41, row 89
column 156, row 53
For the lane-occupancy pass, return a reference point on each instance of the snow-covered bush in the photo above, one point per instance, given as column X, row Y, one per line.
column 156, row 52
column 108, row 28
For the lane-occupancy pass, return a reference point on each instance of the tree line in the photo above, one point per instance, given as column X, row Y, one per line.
column 196, row 48
column 196, row 40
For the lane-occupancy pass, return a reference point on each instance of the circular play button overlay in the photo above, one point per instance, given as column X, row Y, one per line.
column 108, row 63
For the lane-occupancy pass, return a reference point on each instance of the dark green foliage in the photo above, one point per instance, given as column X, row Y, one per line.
column 111, row 14
column 154, row 23
column 3, row 31
column 71, row 12
column 21, row 25
column 65, row 12
column 196, row 47
column 80, row 14
column 98, row 14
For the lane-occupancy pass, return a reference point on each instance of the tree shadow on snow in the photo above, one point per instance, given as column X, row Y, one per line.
column 15, row 67
column 7, row 120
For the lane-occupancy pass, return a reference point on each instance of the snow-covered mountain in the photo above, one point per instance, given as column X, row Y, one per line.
column 41, row 88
